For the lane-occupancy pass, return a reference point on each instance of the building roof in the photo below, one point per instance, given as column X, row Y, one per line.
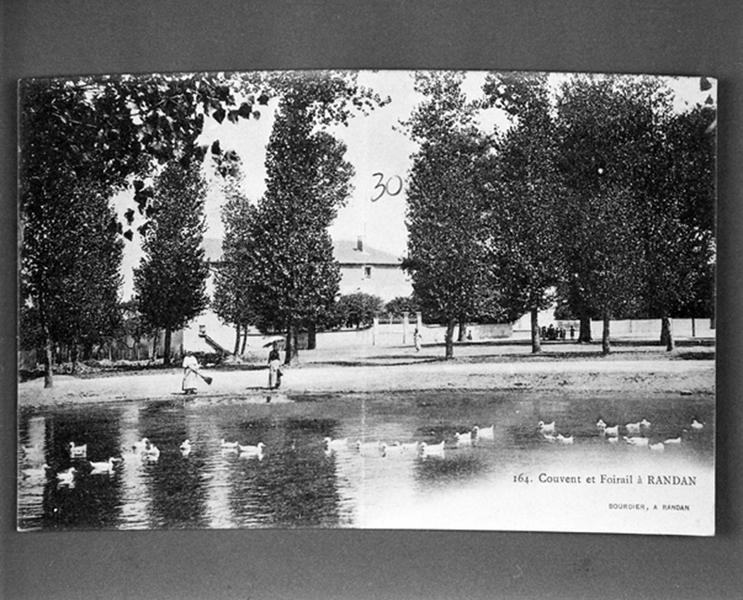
column 346, row 252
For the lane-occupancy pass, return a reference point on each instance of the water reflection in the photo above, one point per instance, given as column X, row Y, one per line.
column 297, row 481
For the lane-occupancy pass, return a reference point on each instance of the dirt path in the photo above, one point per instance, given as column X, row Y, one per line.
column 630, row 373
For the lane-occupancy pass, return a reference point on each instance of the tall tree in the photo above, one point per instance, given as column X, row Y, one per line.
column 294, row 276
column 606, row 128
column 609, row 232
column 170, row 282
column 679, row 215
column 231, row 299
column 70, row 264
column 526, row 194
column 447, row 213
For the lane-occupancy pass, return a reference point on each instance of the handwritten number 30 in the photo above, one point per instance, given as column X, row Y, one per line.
column 392, row 187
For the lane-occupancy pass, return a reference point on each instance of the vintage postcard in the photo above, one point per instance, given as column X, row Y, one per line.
column 474, row 300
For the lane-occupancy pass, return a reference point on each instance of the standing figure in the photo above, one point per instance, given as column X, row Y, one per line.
column 274, row 366
column 417, row 339
column 190, row 373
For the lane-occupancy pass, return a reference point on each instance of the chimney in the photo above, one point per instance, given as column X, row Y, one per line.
column 360, row 244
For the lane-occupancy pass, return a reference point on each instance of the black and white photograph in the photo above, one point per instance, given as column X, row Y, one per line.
column 394, row 299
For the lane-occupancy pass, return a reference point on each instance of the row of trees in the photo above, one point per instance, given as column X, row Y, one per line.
column 84, row 140
column 599, row 196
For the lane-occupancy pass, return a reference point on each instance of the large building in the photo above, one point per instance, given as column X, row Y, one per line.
column 371, row 271
column 363, row 269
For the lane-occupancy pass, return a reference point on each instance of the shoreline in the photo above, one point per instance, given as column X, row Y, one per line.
column 660, row 374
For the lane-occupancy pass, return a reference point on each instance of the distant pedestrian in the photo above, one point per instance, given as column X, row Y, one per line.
column 274, row 367
column 417, row 340
column 572, row 333
column 190, row 373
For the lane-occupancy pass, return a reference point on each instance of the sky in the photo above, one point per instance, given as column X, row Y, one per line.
column 379, row 153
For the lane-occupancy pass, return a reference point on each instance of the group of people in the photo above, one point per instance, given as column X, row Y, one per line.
column 556, row 333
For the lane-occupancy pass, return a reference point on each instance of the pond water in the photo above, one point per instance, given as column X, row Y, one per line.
column 298, row 482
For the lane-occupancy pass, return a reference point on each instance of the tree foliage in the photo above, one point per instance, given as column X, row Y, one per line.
column 447, row 212
column 70, row 267
column 294, row 278
column 170, row 282
column 81, row 141
column 525, row 192
column 620, row 136
column 232, row 280
column 357, row 309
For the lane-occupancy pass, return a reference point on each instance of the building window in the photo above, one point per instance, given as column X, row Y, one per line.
column 367, row 272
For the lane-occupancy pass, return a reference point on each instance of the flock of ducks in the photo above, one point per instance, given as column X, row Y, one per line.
column 635, row 434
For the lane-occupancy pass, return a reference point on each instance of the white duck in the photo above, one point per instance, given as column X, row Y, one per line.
column 645, row 423
column 565, row 439
column 632, row 428
column 151, row 452
column 335, row 444
column 463, row 439
column 436, row 450
column 80, row 451
column 612, row 431
column 636, row 441
column 549, row 437
column 395, row 449
column 672, row 441
column 251, row 451
column 185, row 448
column 659, row 447
column 484, row 433
column 66, row 477
column 36, row 472
column 604, row 429
column 696, row 425
column 101, row 468
column 546, row 427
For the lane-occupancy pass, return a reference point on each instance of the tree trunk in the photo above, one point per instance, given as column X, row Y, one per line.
column 295, row 346
column 237, row 339
column 288, row 345
column 462, row 336
column 584, row 335
column 48, row 358
column 166, row 347
column 449, row 339
column 245, row 340
column 536, row 344
column 605, row 343
column 73, row 357
column 311, row 336
column 155, row 336
column 666, row 333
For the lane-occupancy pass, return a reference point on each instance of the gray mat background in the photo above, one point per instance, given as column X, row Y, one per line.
column 48, row 37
